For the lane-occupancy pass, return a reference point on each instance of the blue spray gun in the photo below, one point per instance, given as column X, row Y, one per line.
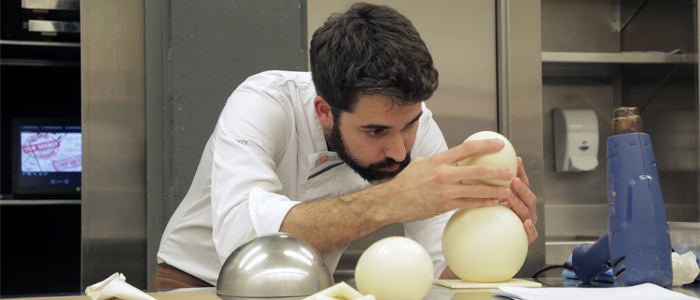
column 637, row 245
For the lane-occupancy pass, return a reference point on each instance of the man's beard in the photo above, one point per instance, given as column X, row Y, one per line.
column 371, row 173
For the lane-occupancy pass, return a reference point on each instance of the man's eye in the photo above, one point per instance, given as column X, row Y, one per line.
column 375, row 132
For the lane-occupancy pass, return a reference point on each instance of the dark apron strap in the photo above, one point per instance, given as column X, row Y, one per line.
column 169, row 277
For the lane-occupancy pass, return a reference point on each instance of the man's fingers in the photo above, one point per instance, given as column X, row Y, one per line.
column 482, row 191
column 526, row 197
column 468, row 149
column 476, row 172
column 476, row 202
column 531, row 231
column 506, row 204
column 519, row 208
column 521, row 172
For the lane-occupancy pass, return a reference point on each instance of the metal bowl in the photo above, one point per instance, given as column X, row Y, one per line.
column 276, row 265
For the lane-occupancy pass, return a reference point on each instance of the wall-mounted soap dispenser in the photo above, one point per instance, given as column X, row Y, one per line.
column 575, row 139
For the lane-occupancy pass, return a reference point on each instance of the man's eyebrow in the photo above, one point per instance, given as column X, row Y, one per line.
column 384, row 127
column 416, row 118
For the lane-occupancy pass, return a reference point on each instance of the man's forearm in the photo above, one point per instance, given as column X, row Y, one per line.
column 331, row 223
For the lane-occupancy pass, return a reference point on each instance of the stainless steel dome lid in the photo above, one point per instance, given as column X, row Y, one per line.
column 274, row 265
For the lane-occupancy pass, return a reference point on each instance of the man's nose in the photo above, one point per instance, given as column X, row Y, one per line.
column 395, row 148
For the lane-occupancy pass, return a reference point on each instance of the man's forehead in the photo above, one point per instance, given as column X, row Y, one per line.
column 378, row 105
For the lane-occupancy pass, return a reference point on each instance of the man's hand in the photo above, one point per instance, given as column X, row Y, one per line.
column 426, row 188
column 432, row 186
column 524, row 202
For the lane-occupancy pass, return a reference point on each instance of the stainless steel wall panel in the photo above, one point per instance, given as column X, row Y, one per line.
column 576, row 187
column 212, row 47
column 572, row 197
column 697, row 98
column 670, row 116
column 520, row 102
column 155, row 116
column 576, row 221
column 660, row 25
column 668, row 99
column 197, row 53
column 113, row 120
column 580, row 26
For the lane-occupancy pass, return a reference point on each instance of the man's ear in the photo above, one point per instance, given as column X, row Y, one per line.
column 323, row 111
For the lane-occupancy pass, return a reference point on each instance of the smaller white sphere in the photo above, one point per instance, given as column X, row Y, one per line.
column 502, row 158
column 395, row 268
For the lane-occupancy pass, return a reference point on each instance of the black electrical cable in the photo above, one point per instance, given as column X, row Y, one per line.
column 566, row 265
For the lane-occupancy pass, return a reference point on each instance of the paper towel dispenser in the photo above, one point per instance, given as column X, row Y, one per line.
column 575, row 139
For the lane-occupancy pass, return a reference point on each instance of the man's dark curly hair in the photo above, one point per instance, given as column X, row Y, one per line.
column 370, row 49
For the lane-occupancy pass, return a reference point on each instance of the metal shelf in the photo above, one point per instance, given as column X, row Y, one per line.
column 39, row 54
column 38, row 202
column 617, row 58
column 38, row 63
column 39, row 44
column 600, row 64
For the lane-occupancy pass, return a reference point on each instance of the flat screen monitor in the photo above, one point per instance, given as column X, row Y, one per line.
column 46, row 158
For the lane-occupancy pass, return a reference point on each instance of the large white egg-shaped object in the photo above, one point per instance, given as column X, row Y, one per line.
column 485, row 244
column 395, row 268
column 502, row 158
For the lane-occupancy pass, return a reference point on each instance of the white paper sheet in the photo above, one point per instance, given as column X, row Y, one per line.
column 645, row 291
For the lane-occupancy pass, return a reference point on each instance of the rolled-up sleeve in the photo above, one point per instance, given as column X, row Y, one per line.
column 251, row 135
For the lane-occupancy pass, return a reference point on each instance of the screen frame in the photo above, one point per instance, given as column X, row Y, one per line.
column 41, row 191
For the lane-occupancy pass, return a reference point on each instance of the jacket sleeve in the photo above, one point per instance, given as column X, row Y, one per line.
column 429, row 141
column 251, row 135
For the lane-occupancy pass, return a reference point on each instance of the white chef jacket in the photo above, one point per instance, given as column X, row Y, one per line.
column 267, row 154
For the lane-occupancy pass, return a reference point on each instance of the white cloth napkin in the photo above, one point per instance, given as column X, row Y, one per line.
column 115, row 286
column 646, row 291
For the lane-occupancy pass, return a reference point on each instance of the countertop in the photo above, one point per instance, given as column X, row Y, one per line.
column 436, row 292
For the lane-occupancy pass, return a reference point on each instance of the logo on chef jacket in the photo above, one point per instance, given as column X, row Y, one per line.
column 326, row 158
